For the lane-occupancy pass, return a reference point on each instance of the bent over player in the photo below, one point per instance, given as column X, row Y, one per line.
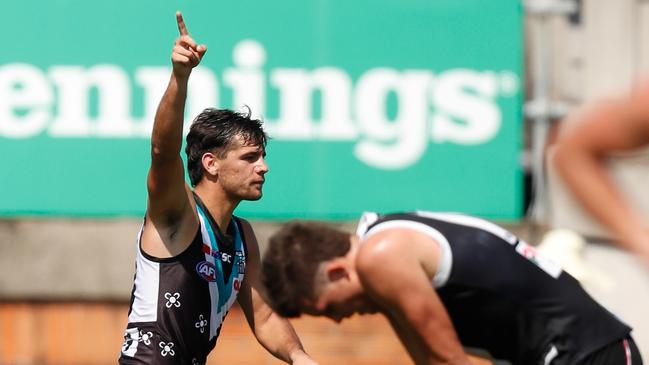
column 194, row 258
column 445, row 282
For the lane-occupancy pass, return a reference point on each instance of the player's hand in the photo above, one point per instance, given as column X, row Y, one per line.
column 186, row 53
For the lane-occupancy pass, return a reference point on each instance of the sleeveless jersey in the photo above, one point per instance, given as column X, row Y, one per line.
column 504, row 298
column 178, row 304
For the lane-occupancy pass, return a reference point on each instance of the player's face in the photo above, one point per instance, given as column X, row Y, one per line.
column 242, row 171
column 339, row 301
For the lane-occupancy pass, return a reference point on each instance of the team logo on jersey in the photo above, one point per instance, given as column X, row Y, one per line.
column 241, row 261
column 530, row 253
column 206, row 270
column 223, row 256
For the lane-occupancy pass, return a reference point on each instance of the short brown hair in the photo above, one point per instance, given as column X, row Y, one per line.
column 213, row 130
column 292, row 258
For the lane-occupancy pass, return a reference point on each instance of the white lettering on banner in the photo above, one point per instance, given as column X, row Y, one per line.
column 455, row 106
column 202, row 92
column 153, row 80
column 74, row 84
column 392, row 144
column 24, row 88
column 247, row 80
column 296, row 87
column 477, row 109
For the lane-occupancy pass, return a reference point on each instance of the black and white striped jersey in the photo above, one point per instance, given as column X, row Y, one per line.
column 502, row 296
column 178, row 304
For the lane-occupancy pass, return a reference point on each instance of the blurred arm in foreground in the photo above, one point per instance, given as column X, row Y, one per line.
column 609, row 127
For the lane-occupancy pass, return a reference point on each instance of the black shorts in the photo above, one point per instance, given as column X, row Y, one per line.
column 623, row 352
column 147, row 346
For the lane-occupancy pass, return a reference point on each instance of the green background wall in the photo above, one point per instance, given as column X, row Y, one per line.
column 371, row 105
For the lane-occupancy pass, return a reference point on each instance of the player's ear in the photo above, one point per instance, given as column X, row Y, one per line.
column 337, row 270
column 210, row 163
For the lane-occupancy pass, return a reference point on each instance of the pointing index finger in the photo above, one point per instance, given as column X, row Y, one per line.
column 182, row 28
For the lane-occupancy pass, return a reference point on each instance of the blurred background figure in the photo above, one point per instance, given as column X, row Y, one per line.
column 610, row 127
column 597, row 54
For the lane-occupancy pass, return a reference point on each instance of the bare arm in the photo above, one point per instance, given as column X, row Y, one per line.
column 169, row 204
column 580, row 160
column 166, row 180
column 404, row 291
column 414, row 346
column 273, row 332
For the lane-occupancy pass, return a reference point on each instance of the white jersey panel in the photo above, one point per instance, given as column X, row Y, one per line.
column 366, row 220
column 147, row 282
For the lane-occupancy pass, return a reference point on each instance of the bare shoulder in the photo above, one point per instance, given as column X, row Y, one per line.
column 379, row 246
column 167, row 235
column 397, row 265
column 401, row 248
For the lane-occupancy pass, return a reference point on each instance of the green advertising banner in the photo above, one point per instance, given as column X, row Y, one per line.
column 371, row 104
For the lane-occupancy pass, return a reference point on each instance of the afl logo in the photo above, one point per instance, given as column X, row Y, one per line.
column 206, row 270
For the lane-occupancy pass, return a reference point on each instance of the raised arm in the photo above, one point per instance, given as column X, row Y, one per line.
column 274, row 333
column 168, row 198
column 405, row 295
column 580, row 160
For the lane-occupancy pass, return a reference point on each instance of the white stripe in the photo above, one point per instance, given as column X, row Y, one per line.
column 472, row 222
column 147, row 282
column 367, row 218
column 446, row 256
column 551, row 355
column 215, row 321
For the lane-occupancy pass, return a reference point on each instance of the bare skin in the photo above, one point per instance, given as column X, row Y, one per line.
column 172, row 220
column 402, row 291
column 613, row 126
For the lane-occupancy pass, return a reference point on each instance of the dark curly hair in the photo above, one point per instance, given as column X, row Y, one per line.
column 213, row 131
column 291, row 260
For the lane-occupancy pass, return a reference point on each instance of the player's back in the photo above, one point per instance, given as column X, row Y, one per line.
column 504, row 298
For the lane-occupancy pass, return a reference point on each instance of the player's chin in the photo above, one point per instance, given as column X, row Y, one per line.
column 254, row 195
